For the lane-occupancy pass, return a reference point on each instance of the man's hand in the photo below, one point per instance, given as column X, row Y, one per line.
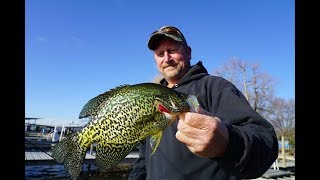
column 204, row 135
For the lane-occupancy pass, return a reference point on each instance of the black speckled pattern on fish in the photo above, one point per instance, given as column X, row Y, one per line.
column 120, row 118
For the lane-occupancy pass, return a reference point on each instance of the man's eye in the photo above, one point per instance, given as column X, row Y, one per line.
column 172, row 50
column 160, row 54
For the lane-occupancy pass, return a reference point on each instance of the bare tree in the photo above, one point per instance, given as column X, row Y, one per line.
column 256, row 86
column 234, row 71
column 261, row 88
column 281, row 114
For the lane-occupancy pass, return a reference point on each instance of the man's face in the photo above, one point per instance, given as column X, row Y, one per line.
column 173, row 59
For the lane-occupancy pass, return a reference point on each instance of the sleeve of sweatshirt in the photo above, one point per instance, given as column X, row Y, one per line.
column 139, row 168
column 253, row 145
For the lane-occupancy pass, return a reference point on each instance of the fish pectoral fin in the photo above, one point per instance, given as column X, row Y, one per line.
column 155, row 141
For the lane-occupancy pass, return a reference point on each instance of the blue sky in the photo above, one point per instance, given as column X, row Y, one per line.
column 76, row 50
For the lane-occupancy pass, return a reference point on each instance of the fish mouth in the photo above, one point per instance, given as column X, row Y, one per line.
column 171, row 116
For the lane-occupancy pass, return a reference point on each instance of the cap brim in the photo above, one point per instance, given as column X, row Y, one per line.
column 156, row 37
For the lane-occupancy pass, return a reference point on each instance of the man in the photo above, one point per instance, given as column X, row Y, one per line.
column 225, row 139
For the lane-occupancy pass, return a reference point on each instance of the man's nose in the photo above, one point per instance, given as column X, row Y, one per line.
column 167, row 57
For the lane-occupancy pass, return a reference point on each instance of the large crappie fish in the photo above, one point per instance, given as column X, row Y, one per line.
column 120, row 118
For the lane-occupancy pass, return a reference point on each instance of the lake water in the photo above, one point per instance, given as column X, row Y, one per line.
column 58, row 172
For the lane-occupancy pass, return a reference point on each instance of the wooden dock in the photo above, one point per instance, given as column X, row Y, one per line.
column 44, row 158
column 37, row 143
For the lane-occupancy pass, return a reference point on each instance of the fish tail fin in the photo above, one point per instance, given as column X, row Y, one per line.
column 71, row 154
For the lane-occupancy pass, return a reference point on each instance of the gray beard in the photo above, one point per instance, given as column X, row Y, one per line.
column 175, row 76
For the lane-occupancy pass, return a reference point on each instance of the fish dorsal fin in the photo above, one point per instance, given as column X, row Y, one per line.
column 93, row 106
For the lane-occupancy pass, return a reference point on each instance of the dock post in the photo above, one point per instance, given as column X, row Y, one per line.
column 62, row 130
column 54, row 133
column 283, row 151
column 91, row 149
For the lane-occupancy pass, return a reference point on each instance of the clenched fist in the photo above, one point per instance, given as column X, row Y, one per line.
column 204, row 135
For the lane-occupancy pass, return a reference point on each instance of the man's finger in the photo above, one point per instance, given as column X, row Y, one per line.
column 184, row 139
column 197, row 120
column 189, row 131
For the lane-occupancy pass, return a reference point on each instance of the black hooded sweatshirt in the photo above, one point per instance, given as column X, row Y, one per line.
column 252, row 148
